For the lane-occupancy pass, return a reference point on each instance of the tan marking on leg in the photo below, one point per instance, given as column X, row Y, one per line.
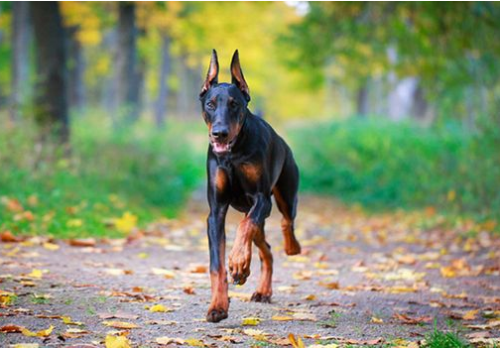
column 292, row 246
column 241, row 253
column 264, row 289
column 219, row 305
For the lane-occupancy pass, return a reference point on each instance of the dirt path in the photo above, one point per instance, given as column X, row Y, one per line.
column 375, row 280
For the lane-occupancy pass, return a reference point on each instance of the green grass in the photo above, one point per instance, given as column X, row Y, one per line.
column 385, row 165
column 440, row 339
column 140, row 170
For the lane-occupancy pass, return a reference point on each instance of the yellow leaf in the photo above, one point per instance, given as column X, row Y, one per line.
column 470, row 315
column 451, row 195
column 159, row 308
column 310, row 297
column 36, row 273
column 6, row 298
column 120, row 324
column 42, row 333
column 26, row 345
column 73, row 223
column 50, row 246
column 282, row 318
column 68, row 321
column 117, row 342
column 377, row 320
column 126, row 223
column 251, row 321
column 296, row 342
column 143, row 255
column 448, row 272
column 194, row 342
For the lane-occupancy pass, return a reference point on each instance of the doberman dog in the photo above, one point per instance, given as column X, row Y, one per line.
column 247, row 163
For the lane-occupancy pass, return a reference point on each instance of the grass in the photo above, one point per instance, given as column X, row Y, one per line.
column 134, row 174
column 384, row 165
column 441, row 339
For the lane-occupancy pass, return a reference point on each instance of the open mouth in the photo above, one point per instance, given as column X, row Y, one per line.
column 221, row 147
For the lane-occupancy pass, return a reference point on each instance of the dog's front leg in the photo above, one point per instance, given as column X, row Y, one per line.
column 241, row 253
column 219, row 305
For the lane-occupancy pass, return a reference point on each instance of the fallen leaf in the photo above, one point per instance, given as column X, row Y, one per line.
column 50, row 246
column 377, row 320
column 195, row 342
column 26, row 345
column 169, row 340
column 8, row 237
column 41, row 333
column 296, row 342
column 68, row 321
column 406, row 319
column 159, row 308
column 117, row 342
column 11, row 329
column 84, row 242
column 250, row 321
column 126, row 223
column 330, row 285
column 470, row 315
column 120, row 324
column 169, row 274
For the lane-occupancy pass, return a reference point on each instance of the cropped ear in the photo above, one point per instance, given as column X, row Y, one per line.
column 237, row 76
column 212, row 74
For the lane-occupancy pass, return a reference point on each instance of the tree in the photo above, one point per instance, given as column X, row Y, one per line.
column 51, row 103
column 127, row 62
column 21, row 36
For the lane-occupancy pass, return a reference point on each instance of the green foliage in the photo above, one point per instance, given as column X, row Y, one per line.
column 440, row 339
column 143, row 171
column 381, row 164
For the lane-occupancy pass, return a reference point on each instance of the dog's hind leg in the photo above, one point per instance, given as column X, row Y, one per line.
column 285, row 195
column 264, row 290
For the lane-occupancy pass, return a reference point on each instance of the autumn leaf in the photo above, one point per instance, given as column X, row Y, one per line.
column 195, row 342
column 377, row 320
column 159, row 308
column 7, row 298
column 68, row 321
column 82, row 242
column 117, row 342
column 26, row 345
column 126, row 223
column 120, row 324
column 41, row 333
column 11, row 329
column 36, row 273
column 296, row 342
column 50, row 246
column 250, row 321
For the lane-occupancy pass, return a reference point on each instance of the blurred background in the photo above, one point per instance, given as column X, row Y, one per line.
column 386, row 105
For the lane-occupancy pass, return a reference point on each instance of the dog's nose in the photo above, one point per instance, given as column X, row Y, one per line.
column 220, row 132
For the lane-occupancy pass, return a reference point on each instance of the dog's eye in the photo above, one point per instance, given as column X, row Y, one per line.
column 234, row 104
column 211, row 105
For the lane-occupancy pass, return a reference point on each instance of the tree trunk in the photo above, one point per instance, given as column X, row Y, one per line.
column 76, row 87
column 362, row 101
column 163, row 91
column 126, row 61
column 51, row 105
column 21, row 35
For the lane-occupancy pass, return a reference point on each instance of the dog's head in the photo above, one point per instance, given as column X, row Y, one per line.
column 224, row 105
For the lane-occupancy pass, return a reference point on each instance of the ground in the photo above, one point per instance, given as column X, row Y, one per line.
column 362, row 279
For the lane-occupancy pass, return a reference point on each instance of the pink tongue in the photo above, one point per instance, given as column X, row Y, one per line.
column 220, row 147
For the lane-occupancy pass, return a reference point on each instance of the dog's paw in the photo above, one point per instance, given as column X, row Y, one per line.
column 216, row 314
column 239, row 267
column 292, row 247
column 258, row 297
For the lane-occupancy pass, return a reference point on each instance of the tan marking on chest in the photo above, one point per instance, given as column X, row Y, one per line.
column 251, row 171
column 220, row 180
